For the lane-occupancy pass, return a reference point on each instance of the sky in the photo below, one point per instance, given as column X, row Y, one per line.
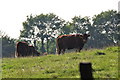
column 14, row 12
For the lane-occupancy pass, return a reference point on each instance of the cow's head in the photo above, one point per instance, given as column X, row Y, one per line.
column 85, row 37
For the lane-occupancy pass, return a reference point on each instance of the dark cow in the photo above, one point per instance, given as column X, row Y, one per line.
column 64, row 42
column 24, row 50
column 32, row 51
column 21, row 49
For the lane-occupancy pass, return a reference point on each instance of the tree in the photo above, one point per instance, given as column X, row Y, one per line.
column 67, row 28
column 105, row 28
column 42, row 27
column 81, row 25
column 8, row 45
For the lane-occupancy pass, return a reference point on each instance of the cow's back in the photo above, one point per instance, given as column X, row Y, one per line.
column 66, row 41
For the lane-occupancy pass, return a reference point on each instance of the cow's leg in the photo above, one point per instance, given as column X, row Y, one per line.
column 16, row 55
column 63, row 51
column 58, row 51
column 19, row 54
column 79, row 49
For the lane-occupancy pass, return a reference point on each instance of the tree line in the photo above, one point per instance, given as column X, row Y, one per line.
column 42, row 30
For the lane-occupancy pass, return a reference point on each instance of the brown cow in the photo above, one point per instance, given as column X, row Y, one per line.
column 64, row 42
column 24, row 50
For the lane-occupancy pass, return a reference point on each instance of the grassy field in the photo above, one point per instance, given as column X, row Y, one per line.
column 63, row 66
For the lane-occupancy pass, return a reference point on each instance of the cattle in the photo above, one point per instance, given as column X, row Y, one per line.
column 23, row 50
column 75, row 41
column 32, row 51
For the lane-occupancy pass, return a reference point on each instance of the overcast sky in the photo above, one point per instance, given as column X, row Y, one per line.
column 14, row 12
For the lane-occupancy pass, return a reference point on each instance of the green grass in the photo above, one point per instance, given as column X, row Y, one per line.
column 63, row 66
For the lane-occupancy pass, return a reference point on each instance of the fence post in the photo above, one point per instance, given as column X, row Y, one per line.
column 85, row 71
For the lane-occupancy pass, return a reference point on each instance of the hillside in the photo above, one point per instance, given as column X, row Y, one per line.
column 63, row 66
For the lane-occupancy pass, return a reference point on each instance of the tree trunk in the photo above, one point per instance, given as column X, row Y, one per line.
column 35, row 45
column 42, row 47
column 47, row 45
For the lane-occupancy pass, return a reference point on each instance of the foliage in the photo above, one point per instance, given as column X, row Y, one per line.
column 42, row 27
column 81, row 25
column 63, row 66
column 8, row 45
column 105, row 29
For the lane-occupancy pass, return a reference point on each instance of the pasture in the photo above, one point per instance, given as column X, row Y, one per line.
column 63, row 66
